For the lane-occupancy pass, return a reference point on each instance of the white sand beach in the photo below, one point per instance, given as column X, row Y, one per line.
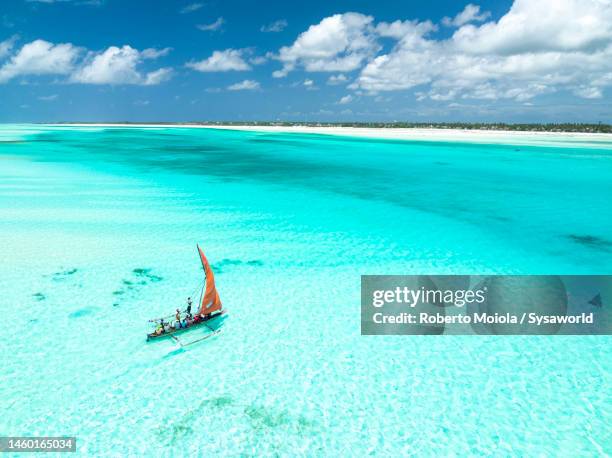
column 595, row 140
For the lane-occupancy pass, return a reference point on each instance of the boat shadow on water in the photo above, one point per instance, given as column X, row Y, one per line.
column 198, row 334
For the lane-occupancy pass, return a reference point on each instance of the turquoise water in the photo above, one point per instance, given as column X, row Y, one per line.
column 98, row 229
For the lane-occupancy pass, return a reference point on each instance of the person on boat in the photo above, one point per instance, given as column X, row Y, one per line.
column 186, row 320
column 188, row 309
column 160, row 327
column 178, row 319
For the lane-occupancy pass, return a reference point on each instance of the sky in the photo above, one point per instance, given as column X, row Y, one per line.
column 321, row 60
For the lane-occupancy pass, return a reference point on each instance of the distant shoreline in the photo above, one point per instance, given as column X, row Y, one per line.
column 536, row 138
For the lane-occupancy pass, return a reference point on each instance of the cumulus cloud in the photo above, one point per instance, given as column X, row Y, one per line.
column 222, row 61
column 191, row 8
column 119, row 66
column 337, row 79
column 213, row 27
column 471, row 13
column 276, row 26
column 346, row 99
column 158, row 76
column 339, row 43
column 407, row 65
column 246, row 85
column 537, row 47
column 40, row 58
column 540, row 26
column 405, row 30
column 112, row 66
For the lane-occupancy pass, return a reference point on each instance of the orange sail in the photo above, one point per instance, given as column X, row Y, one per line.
column 210, row 299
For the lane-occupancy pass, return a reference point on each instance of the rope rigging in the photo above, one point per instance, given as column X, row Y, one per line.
column 196, row 289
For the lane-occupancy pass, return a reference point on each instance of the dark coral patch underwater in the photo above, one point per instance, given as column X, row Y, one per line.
column 63, row 274
column 141, row 277
column 81, row 313
column 226, row 263
column 591, row 241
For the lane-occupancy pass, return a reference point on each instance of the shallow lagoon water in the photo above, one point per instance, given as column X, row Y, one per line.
column 98, row 230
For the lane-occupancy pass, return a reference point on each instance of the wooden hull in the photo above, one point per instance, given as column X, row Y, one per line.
column 199, row 324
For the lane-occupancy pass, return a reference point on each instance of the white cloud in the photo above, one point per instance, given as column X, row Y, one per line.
column 346, row 99
column 191, row 8
column 337, row 79
column 341, row 42
column 537, row 47
column 246, row 85
column 276, row 26
column 152, row 53
column 158, row 76
column 112, row 66
column 589, row 92
column 258, row 60
column 310, row 85
column 222, row 61
column 48, row 98
column 118, row 66
column 408, row 64
column 405, row 30
column 213, row 27
column 540, row 26
column 471, row 13
column 40, row 58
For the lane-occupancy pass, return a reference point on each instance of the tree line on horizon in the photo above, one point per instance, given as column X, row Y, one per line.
column 526, row 127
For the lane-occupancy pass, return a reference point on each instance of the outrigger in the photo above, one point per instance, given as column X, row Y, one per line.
column 210, row 308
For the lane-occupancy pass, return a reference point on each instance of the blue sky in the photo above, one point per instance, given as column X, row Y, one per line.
column 114, row 60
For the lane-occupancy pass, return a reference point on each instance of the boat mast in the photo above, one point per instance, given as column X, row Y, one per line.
column 203, row 284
